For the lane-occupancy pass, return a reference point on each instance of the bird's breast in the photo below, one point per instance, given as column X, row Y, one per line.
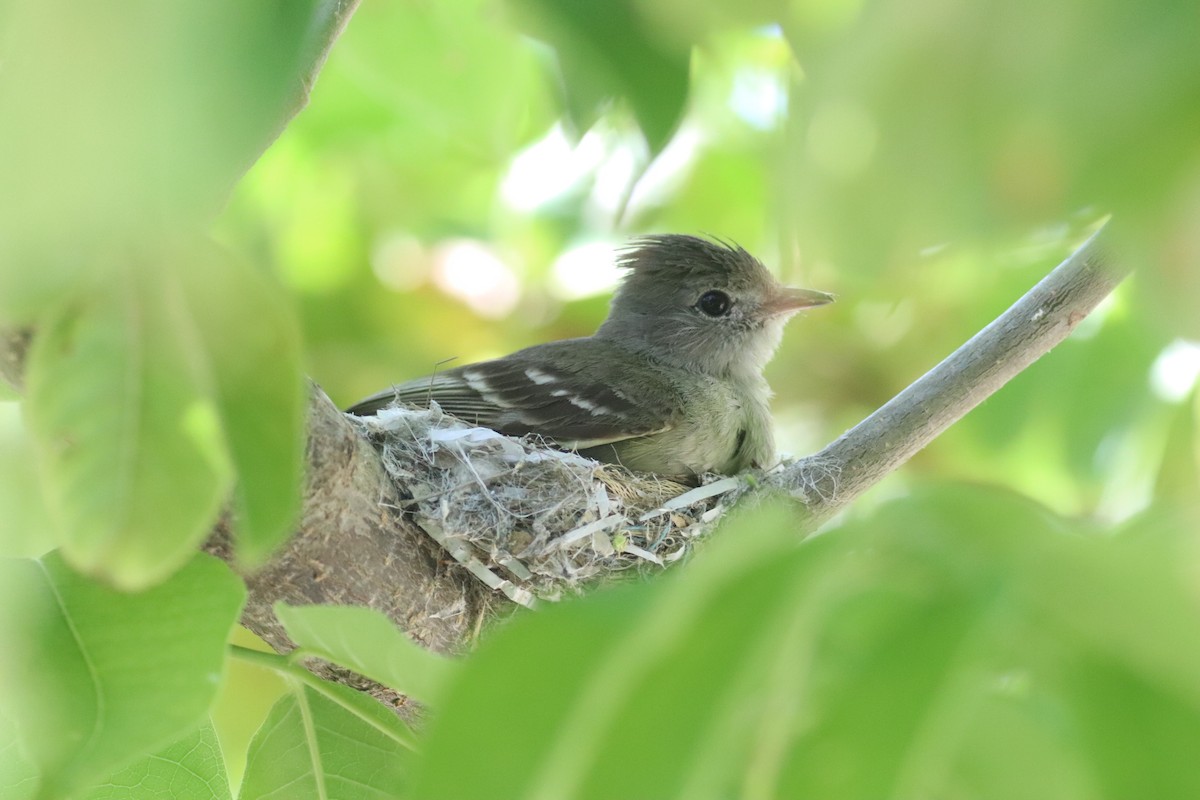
column 724, row 429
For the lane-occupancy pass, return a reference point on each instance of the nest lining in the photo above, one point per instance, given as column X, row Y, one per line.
column 533, row 521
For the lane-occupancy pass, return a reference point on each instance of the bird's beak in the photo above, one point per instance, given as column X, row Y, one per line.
column 786, row 300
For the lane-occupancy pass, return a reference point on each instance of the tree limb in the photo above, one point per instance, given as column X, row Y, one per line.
column 1042, row 318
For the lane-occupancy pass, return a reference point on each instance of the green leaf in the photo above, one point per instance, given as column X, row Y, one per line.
column 1046, row 611
column 27, row 529
column 467, row 51
column 1128, row 603
column 126, row 429
column 18, row 775
column 1117, row 709
column 914, row 653
column 313, row 746
column 1179, row 472
column 645, row 677
column 162, row 107
column 140, row 397
column 612, row 50
column 897, row 657
column 94, row 677
column 189, row 768
column 252, row 347
column 367, row 642
column 125, row 118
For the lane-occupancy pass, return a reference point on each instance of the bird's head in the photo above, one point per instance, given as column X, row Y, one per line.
column 702, row 305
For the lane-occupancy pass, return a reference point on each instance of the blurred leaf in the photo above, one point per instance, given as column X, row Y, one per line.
column 611, row 50
column 398, row 65
column 1179, row 471
column 141, row 396
column 312, row 746
column 1025, row 723
column 367, row 642
column 252, row 349
column 128, row 117
column 680, row 18
column 18, row 774
column 1128, row 603
column 910, row 654
column 1179, row 475
column 189, row 768
column 160, row 106
column 1168, row 274
column 94, row 677
column 940, row 121
column 715, row 177
column 27, row 529
column 1053, row 609
column 897, row 659
column 416, row 98
column 622, row 685
column 247, row 694
column 1140, row 738
column 1100, row 369
column 126, row 428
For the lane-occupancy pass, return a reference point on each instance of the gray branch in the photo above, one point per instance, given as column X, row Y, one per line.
column 1029, row 329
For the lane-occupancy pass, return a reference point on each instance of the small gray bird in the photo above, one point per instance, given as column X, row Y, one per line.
column 671, row 383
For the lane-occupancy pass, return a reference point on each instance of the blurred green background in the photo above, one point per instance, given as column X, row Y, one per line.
column 456, row 189
column 440, row 200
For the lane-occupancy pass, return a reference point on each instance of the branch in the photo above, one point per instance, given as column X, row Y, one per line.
column 861, row 457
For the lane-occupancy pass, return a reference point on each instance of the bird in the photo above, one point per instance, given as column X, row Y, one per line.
column 671, row 383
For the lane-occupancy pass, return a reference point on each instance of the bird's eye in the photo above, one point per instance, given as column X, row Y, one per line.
column 714, row 303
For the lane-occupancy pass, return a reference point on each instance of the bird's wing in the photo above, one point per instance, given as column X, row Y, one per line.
column 596, row 404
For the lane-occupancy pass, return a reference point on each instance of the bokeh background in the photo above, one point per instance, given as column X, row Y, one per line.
column 464, row 172
column 457, row 188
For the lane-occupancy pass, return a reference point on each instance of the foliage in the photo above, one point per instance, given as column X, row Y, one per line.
column 1022, row 593
column 326, row 741
column 367, row 643
column 189, row 767
column 95, row 677
column 165, row 366
column 914, row 653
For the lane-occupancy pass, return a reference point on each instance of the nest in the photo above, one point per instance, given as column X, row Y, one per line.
column 533, row 521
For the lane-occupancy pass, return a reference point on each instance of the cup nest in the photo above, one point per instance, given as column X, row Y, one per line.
column 532, row 521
